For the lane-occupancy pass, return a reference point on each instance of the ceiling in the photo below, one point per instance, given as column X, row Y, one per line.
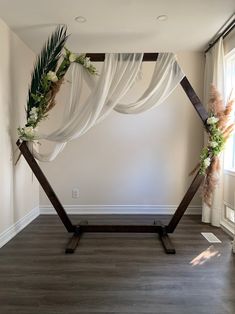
column 119, row 25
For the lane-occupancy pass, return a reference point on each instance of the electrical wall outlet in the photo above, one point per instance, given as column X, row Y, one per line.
column 75, row 193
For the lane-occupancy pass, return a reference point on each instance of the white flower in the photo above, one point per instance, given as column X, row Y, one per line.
column 29, row 132
column 72, row 57
column 51, row 76
column 207, row 162
column 33, row 115
column 212, row 120
column 213, row 144
column 34, row 110
column 87, row 62
column 32, row 118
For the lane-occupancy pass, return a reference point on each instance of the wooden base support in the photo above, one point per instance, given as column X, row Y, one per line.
column 120, row 228
column 73, row 242
column 163, row 236
column 166, row 242
column 157, row 228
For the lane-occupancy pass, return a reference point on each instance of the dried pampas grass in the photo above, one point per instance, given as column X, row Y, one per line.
column 52, row 94
column 211, row 181
column 226, row 127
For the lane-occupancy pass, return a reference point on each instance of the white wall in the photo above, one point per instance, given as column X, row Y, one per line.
column 18, row 193
column 134, row 159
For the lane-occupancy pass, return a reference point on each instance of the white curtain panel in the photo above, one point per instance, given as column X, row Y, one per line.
column 119, row 73
column 214, row 74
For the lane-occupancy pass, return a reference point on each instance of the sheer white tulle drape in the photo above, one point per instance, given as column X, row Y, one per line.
column 118, row 75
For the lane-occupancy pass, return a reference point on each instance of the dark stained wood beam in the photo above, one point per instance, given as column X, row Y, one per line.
column 164, row 238
column 45, row 185
column 73, row 242
column 120, row 228
column 99, row 57
column 196, row 102
column 184, row 203
column 166, row 242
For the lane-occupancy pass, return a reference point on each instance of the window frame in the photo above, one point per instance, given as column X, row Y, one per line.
column 229, row 153
column 227, row 224
column 229, row 161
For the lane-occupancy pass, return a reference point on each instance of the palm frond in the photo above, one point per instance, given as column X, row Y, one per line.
column 46, row 61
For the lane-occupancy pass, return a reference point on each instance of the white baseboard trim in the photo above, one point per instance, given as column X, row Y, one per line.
column 13, row 230
column 120, row 209
column 228, row 227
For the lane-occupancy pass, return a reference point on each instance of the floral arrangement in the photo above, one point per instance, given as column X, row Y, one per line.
column 219, row 127
column 215, row 144
column 47, row 78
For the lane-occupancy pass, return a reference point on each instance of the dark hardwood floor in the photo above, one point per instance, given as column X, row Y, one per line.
column 116, row 273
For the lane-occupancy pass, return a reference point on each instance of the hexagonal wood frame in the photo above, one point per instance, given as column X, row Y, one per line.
column 157, row 227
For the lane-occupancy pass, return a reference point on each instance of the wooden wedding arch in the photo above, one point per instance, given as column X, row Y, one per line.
column 157, row 227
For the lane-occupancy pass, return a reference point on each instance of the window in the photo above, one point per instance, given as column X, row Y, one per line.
column 229, row 214
column 228, row 218
column 229, row 160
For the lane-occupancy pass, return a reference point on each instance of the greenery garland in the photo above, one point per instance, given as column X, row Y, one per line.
column 47, row 78
column 215, row 145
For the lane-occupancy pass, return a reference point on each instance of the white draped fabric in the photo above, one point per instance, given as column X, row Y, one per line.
column 214, row 74
column 119, row 73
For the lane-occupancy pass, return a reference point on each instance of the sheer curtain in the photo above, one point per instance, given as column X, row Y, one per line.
column 118, row 74
column 214, row 74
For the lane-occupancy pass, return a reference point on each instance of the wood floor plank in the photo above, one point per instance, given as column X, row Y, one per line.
column 116, row 273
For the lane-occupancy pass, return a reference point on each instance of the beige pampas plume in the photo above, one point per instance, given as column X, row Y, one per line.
column 211, row 181
column 215, row 104
column 52, row 94
column 226, row 127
